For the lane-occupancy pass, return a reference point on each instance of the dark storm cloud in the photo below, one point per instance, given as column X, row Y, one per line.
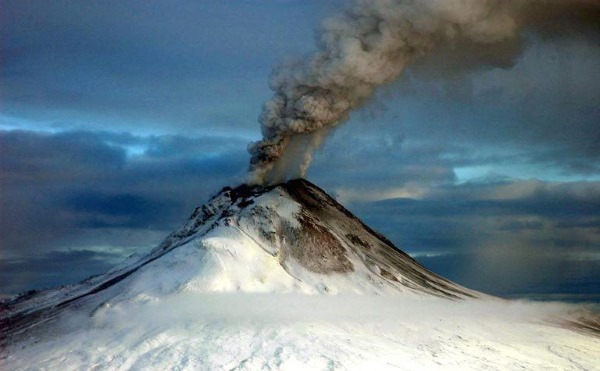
column 591, row 225
column 500, row 237
column 544, row 107
column 55, row 184
column 163, row 65
column 555, row 203
column 551, row 277
column 29, row 157
column 95, row 210
column 47, row 270
column 520, row 226
column 354, row 158
column 408, row 191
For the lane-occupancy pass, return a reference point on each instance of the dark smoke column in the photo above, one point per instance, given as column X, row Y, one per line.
column 369, row 45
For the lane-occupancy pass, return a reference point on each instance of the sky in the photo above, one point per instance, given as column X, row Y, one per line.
column 118, row 118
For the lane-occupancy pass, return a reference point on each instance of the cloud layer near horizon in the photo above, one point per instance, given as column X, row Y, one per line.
column 79, row 200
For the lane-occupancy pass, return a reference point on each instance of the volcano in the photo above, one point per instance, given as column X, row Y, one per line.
column 246, row 266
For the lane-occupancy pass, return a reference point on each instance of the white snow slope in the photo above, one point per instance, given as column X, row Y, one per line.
column 285, row 278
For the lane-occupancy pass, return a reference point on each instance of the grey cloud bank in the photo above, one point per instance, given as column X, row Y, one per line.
column 91, row 216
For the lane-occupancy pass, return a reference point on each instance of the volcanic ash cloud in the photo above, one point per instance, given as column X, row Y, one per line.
column 369, row 45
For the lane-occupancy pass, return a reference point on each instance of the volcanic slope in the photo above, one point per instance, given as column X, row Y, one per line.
column 229, row 289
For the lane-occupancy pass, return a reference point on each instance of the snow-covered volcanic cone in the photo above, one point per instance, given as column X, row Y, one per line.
column 240, row 286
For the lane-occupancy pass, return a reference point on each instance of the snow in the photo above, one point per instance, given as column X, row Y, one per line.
column 278, row 201
column 226, row 292
column 293, row 331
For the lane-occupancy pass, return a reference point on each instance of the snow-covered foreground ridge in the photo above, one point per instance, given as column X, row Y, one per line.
column 236, row 287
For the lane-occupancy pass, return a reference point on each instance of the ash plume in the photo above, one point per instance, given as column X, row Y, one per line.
column 369, row 45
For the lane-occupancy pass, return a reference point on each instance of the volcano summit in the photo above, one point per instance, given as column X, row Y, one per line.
column 282, row 276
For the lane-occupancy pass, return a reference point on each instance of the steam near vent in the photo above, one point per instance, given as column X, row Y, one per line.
column 370, row 44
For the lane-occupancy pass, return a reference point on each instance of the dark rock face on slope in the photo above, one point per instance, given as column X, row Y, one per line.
column 388, row 261
column 300, row 238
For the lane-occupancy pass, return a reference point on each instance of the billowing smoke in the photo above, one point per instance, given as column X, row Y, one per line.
column 371, row 44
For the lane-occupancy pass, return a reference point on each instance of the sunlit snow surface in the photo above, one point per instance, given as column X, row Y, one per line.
column 235, row 288
column 278, row 331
